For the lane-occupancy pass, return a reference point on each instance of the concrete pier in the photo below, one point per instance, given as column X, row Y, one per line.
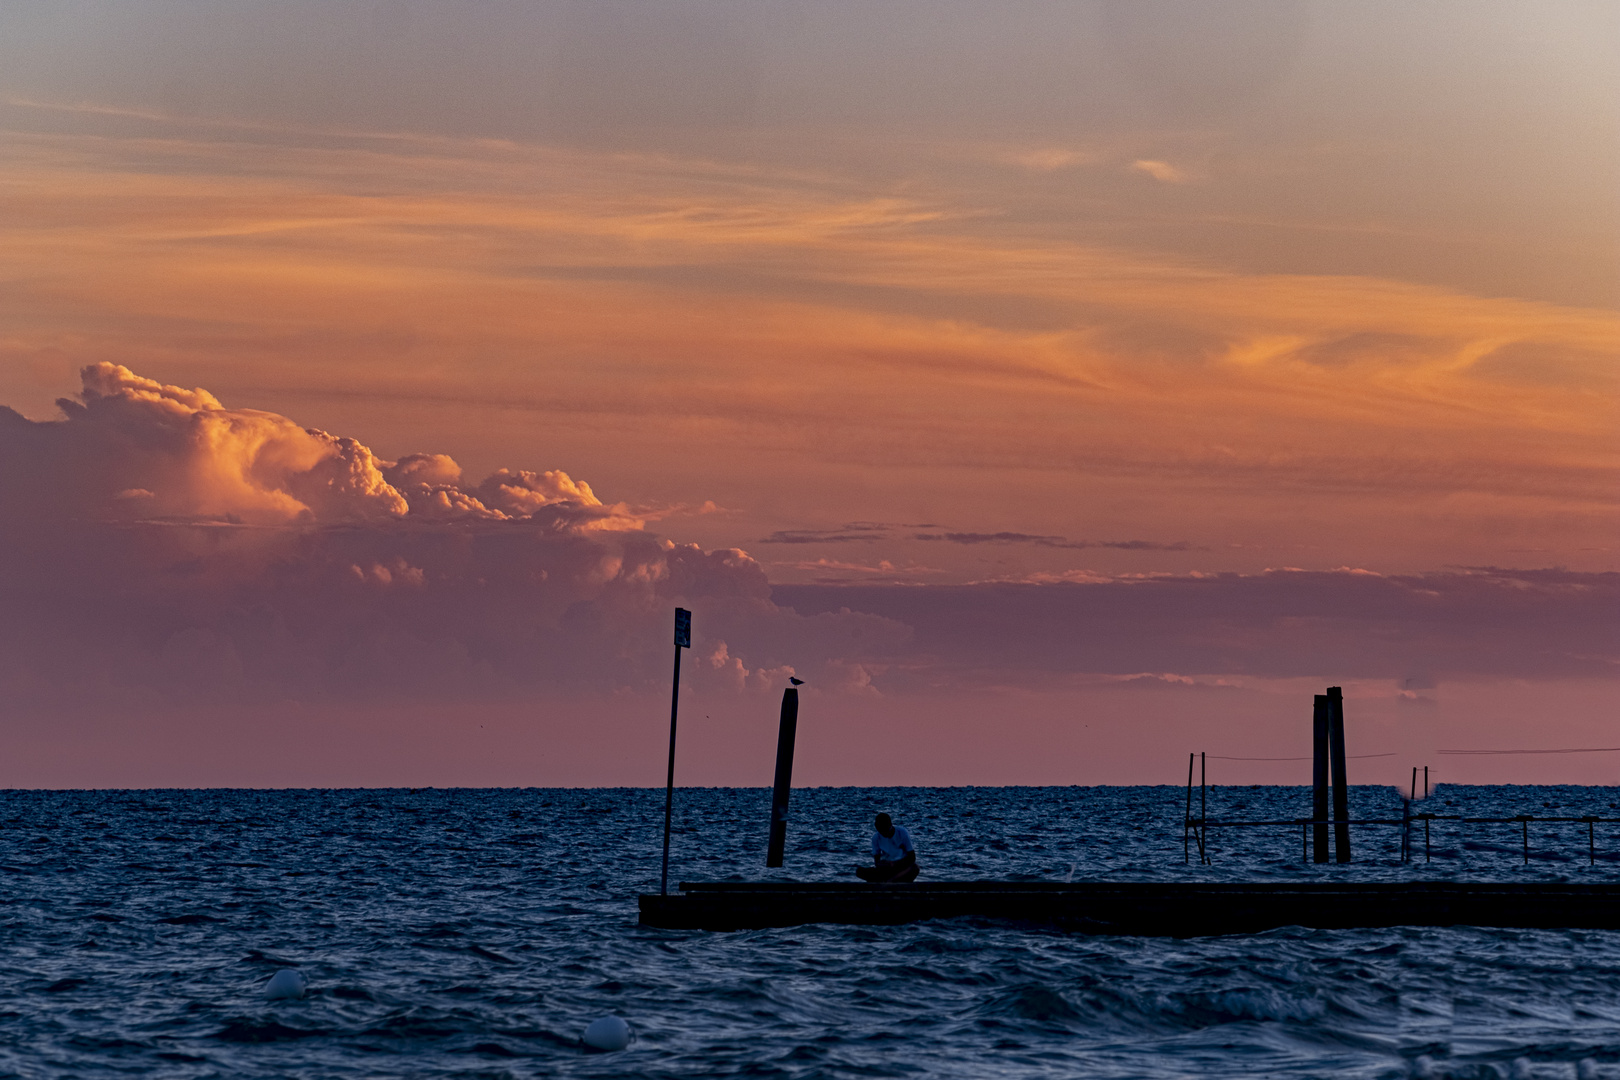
column 1170, row 909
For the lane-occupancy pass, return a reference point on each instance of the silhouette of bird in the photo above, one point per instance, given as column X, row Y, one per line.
column 795, row 682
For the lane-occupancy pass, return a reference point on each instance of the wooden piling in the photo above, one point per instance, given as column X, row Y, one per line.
column 1319, row 776
column 785, row 735
column 1341, row 792
column 683, row 640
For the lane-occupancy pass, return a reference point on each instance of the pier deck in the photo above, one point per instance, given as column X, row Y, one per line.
column 1164, row 909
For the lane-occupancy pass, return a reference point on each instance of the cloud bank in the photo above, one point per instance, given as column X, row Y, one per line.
column 165, row 546
column 1466, row 624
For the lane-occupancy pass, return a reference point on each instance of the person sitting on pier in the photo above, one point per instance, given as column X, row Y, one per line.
column 894, row 857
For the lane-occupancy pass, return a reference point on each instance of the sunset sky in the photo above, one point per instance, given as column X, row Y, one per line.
column 1059, row 388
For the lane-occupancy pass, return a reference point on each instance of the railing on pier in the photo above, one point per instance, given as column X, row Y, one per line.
column 1328, row 756
column 1195, row 829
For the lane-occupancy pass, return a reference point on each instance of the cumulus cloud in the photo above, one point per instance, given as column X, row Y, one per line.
column 132, row 449
column 161, row 543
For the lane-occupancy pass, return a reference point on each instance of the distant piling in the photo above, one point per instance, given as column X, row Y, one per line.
column 786, row 733
column 1341, row 792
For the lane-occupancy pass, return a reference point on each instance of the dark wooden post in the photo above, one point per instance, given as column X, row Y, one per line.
column 1341, row 790
column 1319, row 777
column 784, row 775
column 683, row 640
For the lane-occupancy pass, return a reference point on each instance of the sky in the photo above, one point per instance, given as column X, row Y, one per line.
column 1058, row 388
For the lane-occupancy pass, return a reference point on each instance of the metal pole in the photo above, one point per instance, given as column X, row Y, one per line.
column 1186, row 819
column 1406, row 827
column 1414, row 783
column 683, row 639
column 1425, row 781
column 1319, row 775
column 1341, row 791
column 1203, row 809
column 784, row 776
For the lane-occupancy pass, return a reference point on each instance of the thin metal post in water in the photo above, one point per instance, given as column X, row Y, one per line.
column 784, row 776
column 1425, row 781
column 1414, row 783
column 1406, row 826
column 683, row 640
column 1341, row 791
column 1186, row 819
column 1319, row 776
column 1203, row 809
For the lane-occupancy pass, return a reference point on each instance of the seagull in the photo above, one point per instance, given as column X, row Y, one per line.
column 795, row 682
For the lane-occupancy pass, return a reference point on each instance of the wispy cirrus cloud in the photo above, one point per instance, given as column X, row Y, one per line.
column 853, row 532
column 772, row 319
column 1162, row 171
column 974, row 538
column 837, row 572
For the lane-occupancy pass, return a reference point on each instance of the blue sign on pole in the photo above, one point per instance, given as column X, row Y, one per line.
column 683, row 628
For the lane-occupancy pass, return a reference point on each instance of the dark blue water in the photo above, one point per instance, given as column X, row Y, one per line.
column 475, row 933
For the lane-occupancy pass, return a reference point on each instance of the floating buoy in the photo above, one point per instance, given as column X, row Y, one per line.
column 285, row 983
column 608, row 1033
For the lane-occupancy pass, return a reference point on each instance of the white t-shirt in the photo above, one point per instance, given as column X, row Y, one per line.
column 892, row 848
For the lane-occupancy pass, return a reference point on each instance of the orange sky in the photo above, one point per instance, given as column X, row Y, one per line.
column 1115, row 291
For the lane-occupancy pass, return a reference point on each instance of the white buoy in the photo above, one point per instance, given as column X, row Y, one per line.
column 608, row 1033
column 285, row 983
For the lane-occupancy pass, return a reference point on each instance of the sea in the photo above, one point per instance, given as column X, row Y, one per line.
column 475, row 933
